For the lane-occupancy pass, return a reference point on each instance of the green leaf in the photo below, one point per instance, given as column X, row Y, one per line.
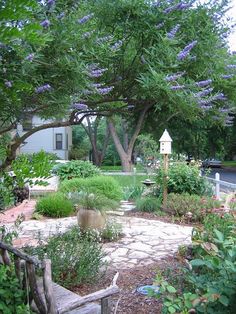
column 171, row 309
column 224, row 300
column 219, row 235
column 171, row 289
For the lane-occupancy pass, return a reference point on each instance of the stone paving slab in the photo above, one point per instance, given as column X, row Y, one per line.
column 144, row 241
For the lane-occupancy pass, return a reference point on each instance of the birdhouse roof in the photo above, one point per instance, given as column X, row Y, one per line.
column 165, row 137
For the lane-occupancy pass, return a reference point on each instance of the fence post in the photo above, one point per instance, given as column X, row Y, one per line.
column 217, row 190
column 135, row 171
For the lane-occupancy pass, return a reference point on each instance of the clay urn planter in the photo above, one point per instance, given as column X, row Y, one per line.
column 90, row 213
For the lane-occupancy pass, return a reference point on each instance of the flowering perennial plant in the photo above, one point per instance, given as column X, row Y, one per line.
column 184, row 53
column 203, row 83
column 117, row 45
column 174, row 77
column 203, row 93
column 85, row 18
column 80, row 106
column 43, row 88
column 227, row 76
column 45, row 23
column 177, row 87
column 173, row 31
column 8, row 84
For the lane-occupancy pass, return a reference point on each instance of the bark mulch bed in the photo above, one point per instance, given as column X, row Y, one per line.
column 131, row 302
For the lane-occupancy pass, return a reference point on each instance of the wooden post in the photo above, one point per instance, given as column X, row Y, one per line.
column 217, row 189
column 34, row 288
column 105, row 306
column 48, row 289
column 165, row 179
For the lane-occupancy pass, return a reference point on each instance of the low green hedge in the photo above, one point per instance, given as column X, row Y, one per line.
column 102, row 185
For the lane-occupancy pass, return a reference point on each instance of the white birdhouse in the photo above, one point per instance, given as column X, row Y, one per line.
column 165, row 143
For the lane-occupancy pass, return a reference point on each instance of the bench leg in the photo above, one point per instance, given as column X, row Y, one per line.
column 106, row 306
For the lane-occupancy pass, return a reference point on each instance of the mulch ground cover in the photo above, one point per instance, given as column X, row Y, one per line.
column 130, row 301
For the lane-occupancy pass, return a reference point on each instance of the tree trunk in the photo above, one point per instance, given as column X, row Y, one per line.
column 91, row 130
column 126, row 153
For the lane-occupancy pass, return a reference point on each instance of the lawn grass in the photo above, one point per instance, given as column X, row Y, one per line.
column 125, row 180
column 139, row 168
column 229, row 163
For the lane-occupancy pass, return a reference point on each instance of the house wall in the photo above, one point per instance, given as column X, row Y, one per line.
column 46, row 140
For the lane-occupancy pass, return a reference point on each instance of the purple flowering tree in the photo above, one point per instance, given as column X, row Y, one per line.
column 119, row 65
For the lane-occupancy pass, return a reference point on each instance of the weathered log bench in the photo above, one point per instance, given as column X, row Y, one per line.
column 47, row 297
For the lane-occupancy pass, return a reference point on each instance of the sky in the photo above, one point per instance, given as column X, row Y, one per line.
column 232, row 37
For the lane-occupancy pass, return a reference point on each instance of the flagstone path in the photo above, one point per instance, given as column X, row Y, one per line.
column 144, row 241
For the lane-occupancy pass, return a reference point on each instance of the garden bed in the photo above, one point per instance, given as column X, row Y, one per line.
column 129, row 279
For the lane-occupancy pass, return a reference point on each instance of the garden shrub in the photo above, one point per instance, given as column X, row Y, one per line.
column 102, row 185
column 185, row 178
column 54, row 205
column 11, row 296
column 209, row 284
column 76, row 258
column 76, row 169
column 180, row 204
column 148, row 204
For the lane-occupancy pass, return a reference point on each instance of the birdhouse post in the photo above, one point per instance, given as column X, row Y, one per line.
column 165, row 150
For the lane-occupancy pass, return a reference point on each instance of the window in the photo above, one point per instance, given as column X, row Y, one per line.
column 58, row 140
column 27, row 124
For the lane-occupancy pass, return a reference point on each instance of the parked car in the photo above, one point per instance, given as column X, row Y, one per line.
column 213, row 163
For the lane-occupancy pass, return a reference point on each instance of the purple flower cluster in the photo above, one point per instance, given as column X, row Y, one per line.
column 204, row 102
column 97, row 72
column 87, row 34
column 219, row 96
column 177, row 87
column 104, row 39
column 159, row 25
column 8, row 84
column 117, row 45
column 224, row 110
column 43, row 88
column 231, row 66
column 45, row 23
column 96, row 85
column 173, row 31
column 50, row 3
column 61, row 15
column 227, row 76
column 80, row 106
column 203, row 93
column 179, row 6
column 184, row 53
column 85, row 18
column 203, row 83
column 105, row 90
column 30, row 57
column 206, row 107
column 174, row 77
column 143, row 60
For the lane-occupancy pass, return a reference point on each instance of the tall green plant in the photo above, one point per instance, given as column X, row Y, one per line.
column 183, row 178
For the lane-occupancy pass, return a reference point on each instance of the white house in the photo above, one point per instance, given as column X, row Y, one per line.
column 53, row 140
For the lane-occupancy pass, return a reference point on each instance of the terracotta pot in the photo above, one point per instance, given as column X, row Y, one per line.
column 90, row 219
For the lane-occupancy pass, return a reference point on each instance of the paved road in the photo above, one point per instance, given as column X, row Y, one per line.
column 225, row 174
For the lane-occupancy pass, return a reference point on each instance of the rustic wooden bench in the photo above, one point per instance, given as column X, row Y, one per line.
column 47, row 297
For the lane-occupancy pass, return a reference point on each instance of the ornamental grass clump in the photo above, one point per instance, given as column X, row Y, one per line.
column 148, row 204
column 54, row 205
column 100, row 185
